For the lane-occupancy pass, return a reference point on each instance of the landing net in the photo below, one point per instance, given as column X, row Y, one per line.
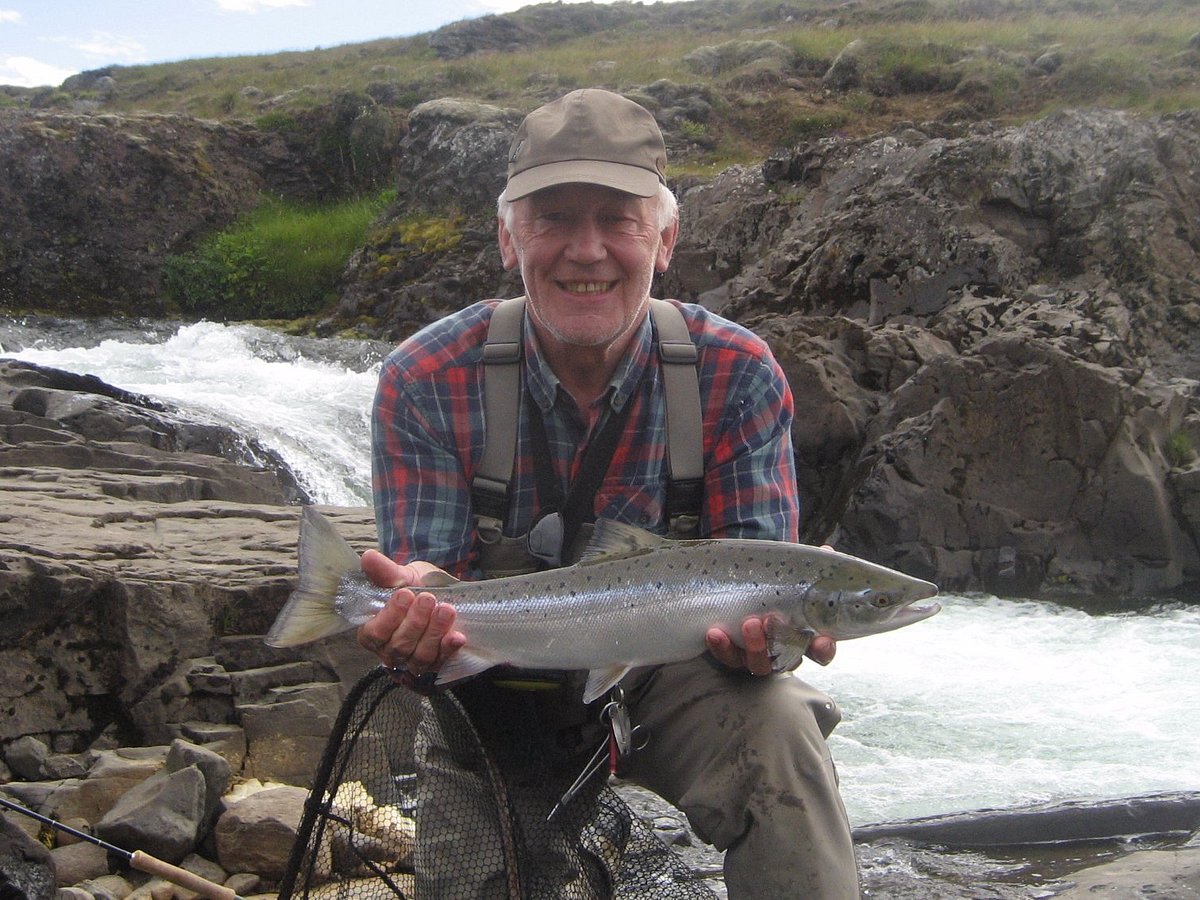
column 408, row 802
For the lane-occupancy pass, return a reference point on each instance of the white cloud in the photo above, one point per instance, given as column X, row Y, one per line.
column 111, row 47
column 504, row 6
column 253, row 6
column 23, row 71
column 9, row 15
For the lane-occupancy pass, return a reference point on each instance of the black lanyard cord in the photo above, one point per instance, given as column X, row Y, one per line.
column 578, row 506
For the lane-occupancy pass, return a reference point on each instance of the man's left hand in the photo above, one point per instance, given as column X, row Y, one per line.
column 754, row 655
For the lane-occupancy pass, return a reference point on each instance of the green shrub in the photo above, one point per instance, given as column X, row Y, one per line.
column 282, row 261
column 1179, row 450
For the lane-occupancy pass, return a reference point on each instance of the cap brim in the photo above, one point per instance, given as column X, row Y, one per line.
column 629, row 179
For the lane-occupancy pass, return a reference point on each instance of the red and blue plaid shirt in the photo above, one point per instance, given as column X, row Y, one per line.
column 428, row 433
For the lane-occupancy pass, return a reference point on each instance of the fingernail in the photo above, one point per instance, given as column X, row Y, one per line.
column 443, row 615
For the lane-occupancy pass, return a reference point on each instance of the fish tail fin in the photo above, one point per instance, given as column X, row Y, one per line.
column 324, row 560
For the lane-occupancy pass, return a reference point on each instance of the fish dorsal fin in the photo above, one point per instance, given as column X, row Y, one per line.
column 437, row 579
column 616, row 540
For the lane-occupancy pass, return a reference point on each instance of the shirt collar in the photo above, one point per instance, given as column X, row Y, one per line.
column 543, row 384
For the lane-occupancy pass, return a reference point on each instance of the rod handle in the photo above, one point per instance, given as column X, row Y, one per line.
column 151, row 865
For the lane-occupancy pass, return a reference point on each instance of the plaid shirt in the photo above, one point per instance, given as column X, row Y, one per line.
column 428, row 433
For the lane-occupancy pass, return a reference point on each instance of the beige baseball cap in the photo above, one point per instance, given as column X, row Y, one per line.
column 591, row 137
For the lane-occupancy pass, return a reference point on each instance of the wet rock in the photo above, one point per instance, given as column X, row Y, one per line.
column 26, row 867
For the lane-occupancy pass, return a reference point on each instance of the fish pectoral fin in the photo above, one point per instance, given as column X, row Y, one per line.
column 600, row 681
column 787, row 644
column 463, row 664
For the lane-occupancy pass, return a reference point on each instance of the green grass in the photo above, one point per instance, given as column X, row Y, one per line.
column 281, row 261
column 1130, row 54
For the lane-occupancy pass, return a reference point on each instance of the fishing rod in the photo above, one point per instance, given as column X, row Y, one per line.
column 143, row 862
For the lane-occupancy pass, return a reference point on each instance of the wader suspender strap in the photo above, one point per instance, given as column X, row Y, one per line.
column 685, row 439
column 502, row 392
column 501, row 403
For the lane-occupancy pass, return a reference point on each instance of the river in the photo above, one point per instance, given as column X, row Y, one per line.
column 993, row 702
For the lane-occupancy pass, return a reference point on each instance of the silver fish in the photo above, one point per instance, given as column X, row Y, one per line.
column 634, row 599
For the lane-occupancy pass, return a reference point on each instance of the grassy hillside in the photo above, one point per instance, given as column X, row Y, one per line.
column 760, row 64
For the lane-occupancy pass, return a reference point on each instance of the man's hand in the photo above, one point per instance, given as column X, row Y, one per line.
column 754, row 655
column 413, row 631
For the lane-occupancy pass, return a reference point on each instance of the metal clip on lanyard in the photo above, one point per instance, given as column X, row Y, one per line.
column 617, row 745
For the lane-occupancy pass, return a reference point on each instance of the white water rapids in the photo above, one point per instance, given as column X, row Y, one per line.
column 990, row 703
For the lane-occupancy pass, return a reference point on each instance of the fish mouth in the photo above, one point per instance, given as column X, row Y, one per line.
column 915, row 611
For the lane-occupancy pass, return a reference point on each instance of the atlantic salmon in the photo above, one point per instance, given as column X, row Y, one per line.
column 633, row 599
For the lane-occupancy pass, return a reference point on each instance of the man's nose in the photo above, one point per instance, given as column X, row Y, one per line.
column 586, row 242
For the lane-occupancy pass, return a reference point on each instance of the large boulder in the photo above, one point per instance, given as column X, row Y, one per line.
column 92, row 203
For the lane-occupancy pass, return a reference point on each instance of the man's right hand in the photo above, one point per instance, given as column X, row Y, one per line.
column 413, row 632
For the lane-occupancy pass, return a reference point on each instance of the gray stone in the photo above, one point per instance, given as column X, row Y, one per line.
column 26, row 756
column 213, row 767
column 26, row 867
column 286, row 738
column 256, row 834
column 162, row 816
column 76, row 863
column 107, row 887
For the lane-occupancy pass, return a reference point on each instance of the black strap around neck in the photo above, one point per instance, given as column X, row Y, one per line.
column 577, row 507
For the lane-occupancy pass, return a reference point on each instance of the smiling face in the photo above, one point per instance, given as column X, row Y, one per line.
column 587, row 255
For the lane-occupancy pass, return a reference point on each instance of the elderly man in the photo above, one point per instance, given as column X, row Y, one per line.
column 588, row 220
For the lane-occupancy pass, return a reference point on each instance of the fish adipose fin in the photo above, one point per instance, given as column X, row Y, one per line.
column 600, row 681
column 324, row 559
column 787, row 644
column 616, row 540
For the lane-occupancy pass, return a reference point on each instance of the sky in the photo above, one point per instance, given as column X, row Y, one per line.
column 44, row 41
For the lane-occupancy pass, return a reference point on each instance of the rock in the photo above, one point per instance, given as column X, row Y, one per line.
column 77, row 863
column 412, row 273
column 26, row 867
column 92, row 187
column 844, row 74
column 162, row 816
column 149, row 499
column 26, row 756
column 286, row 736
column 107, row 887
column 890, row 236
column 114, row 773
column 1171, row 874
column 715, row 60
column 215, row 769
column 1074, row 822
column 256, row 834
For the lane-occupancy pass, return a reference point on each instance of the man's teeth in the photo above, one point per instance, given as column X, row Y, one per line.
column 586, row 287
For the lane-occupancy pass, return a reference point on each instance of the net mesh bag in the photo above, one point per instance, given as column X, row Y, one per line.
column 445, row 796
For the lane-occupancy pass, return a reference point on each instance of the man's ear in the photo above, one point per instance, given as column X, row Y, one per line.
column 666, row 246
column 508, row 250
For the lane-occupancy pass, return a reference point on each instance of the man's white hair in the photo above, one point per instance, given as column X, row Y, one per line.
column 667, row 209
